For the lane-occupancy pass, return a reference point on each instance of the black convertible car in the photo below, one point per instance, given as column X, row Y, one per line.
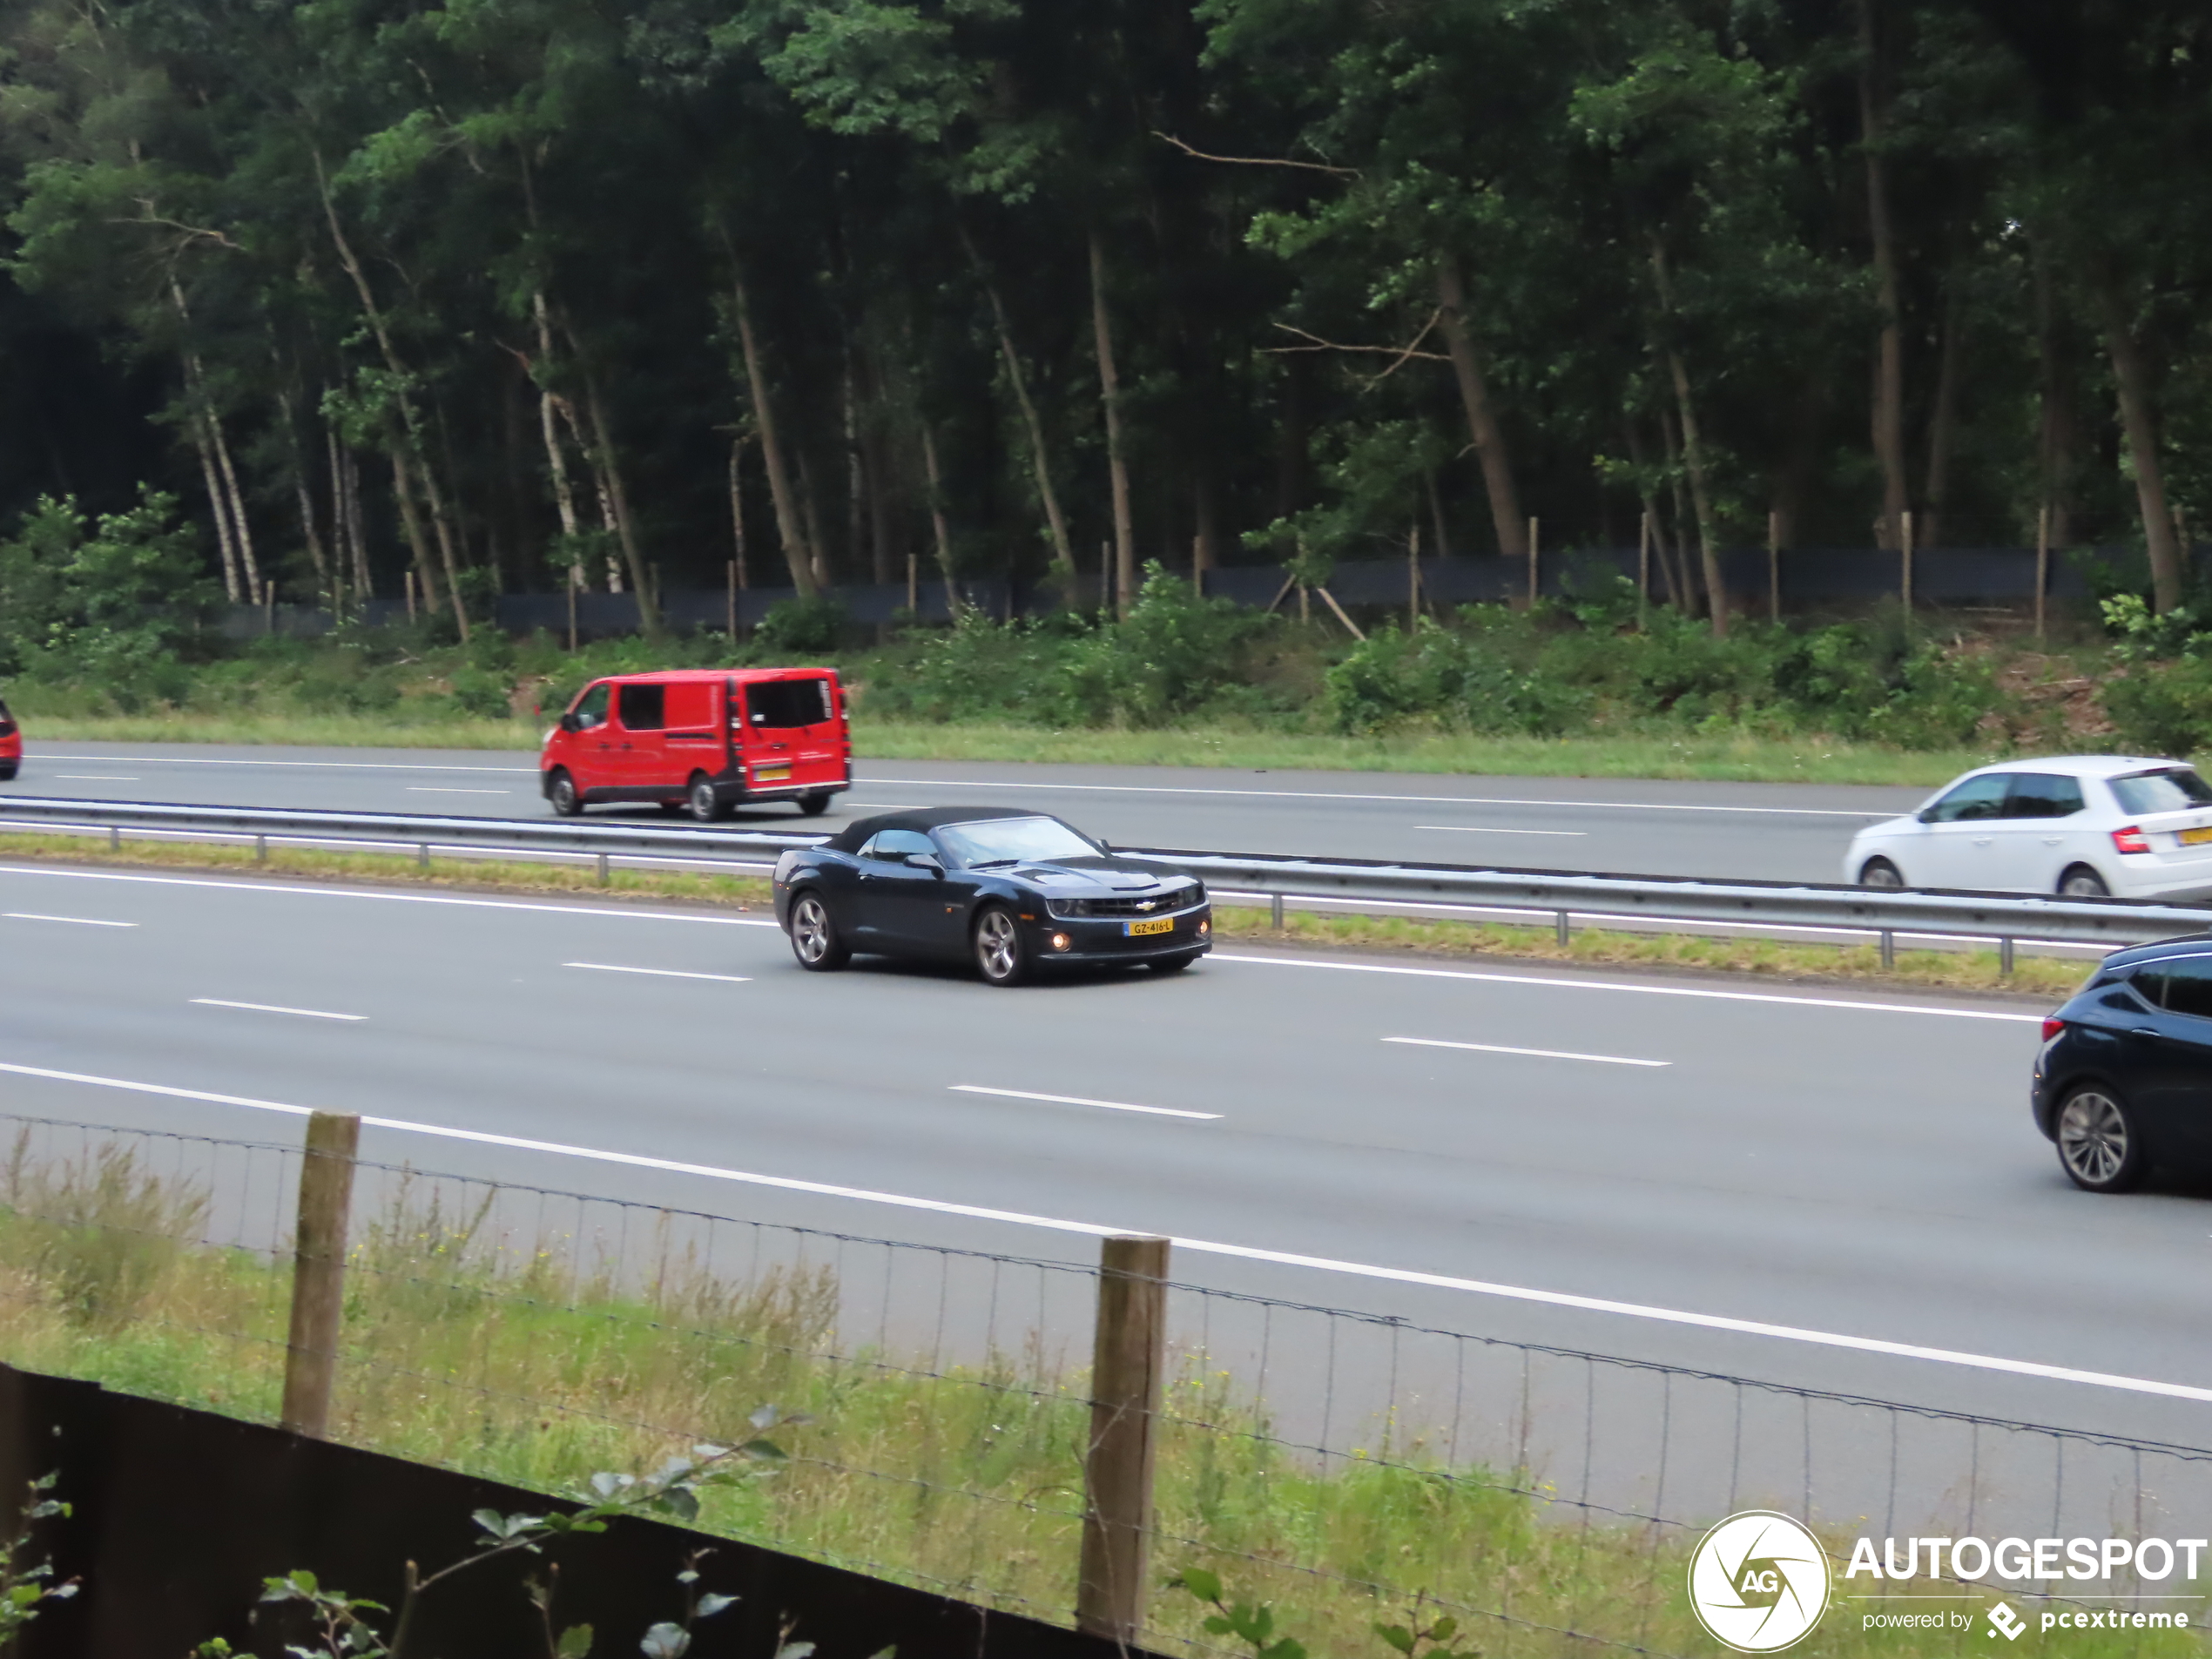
column 1015, row 890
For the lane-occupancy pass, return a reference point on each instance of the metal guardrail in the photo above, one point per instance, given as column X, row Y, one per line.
column 2111, row 922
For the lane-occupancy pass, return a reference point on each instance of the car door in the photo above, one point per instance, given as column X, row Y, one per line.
column 2034, row 843
column 1957, row 844
column 640, row 730
column 590, row 751
column 2169, row 1061
column 895, row 907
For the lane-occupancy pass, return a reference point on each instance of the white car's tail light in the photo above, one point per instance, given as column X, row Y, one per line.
column 2130, row 839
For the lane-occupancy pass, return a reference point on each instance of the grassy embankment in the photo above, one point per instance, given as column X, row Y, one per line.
column 495, row 1355
column 1961, row 970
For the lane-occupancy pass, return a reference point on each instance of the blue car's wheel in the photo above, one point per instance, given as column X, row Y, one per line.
column 2099, row 1146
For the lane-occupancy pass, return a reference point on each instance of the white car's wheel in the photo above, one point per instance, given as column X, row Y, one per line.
column 2079, row 882
column 1879, row 873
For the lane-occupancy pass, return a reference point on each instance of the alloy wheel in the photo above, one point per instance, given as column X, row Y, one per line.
column 998, row 948
column 2093, row 1138
column 704, row 806
column 809, row 930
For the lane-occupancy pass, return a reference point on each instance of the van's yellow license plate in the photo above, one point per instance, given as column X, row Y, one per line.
column 2196, row 836
column 1157, row 925
column 772, row 774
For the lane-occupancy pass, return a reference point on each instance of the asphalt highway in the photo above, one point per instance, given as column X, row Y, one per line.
column 1758, row 831
column 1840, row 1191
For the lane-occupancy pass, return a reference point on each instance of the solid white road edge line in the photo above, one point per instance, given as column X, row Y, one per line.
column 661, row 973
column 1409, row 800
column 404, row 898
column 75, row 921
column 447, row 789
column 94, row 777
column 1323, row 1263
column 1078, row 1100
column 269, row 1008
column 1642, row 990
column 341, row 765
column 1539, row 1054
column 1485, row 829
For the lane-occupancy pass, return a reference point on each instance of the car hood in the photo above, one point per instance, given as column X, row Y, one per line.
column 1097, row 874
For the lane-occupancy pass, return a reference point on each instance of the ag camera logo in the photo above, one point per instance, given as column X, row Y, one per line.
column 1758, row 1581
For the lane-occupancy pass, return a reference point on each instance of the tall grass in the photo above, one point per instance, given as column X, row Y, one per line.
column 531, row 1361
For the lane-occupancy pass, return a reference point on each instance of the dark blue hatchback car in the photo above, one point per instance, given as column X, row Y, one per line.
column 2124, row 1079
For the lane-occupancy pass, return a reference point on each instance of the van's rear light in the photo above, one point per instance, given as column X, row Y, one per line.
column 2130, row 839
column 2052, row 1026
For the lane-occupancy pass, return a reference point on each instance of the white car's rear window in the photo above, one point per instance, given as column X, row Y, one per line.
column 2173, row 789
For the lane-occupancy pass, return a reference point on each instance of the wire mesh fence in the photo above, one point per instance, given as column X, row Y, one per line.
column 1343, row 1469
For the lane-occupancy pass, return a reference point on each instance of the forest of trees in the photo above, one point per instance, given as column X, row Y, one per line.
column 489, row 295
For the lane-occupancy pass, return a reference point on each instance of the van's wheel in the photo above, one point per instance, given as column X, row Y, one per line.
column 814, row 939
column 2081, row 882
column 2099, row 1146
column 999, row 950
column 1879, row 873
column 704, row 801
column 815, row 805
column 568, row 800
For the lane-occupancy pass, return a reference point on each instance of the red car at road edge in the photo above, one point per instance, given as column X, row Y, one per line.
column 11, row 744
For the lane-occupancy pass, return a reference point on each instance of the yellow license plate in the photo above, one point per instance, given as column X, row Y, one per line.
column 1157, row 925
column 771, row 774
column 2196, row 836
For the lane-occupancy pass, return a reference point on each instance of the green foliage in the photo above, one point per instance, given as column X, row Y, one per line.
column 25, row 1587
column 100, row 1232
column 802, row 627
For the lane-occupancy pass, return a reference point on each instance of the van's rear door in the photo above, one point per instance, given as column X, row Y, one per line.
column 793, row 736
column 693, row 742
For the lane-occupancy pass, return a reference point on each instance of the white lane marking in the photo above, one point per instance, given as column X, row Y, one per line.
column 1642, row 990
column 1203, row 1246
column 443, row 789
column 270, row 1007
column 1078, row 1100
column 1536, row 1054
column 80, row 921
column 346, row 766
column 1485, row 829
column 95, row 778
column 403, row 898
column 661, row 973
column 1411, row 800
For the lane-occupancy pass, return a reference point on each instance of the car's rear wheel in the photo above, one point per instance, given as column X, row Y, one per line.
column 567, row 798
column 704, row 801
column 1880, row 872
column 2081, row 882
column 1000, row 952
column 815, row 805
column 2099, row 1146
column 814, row 938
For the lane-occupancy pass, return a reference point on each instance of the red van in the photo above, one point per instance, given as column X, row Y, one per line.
column 703, row 740
column 11, row 744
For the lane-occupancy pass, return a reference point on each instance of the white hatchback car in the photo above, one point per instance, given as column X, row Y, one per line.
column 2087, row 825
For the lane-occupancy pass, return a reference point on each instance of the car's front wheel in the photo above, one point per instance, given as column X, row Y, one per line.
column 704, row 801
column 567, row 798
column 2081, row 882
column 999, row 950
column 814, row 938
column 1879, row 873
column 2101, row 1148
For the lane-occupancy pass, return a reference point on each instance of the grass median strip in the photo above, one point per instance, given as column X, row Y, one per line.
column 1964, row 970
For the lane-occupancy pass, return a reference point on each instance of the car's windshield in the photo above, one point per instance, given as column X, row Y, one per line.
column 1009, row 840
column 2174, row 789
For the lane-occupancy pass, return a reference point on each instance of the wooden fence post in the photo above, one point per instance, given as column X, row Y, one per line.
column 2042, row 563
column 1533, row 565
column 732, row 596
column 1128, row 1356
column 319, row 1271
column 572, row 610
column 1774, row 567
column 1412, row 581
column 1643, row 568
column 1905, row 549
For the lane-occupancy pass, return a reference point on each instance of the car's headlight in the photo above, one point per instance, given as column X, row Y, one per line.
column 1061, row 907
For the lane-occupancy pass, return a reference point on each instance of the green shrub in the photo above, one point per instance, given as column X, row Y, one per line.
column 2162, row 708
column 802, row 627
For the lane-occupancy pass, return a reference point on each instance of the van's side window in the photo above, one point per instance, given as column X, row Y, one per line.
column 642, row 707
column 591, row 707
column 787, row 703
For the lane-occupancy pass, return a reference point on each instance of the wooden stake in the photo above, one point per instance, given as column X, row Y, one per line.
column 914, row 582
column 1905, row 544
column 1774, row 567
column 572, row 580
column 1352, row 626
column 1413, row 580
column 1129, row 1357
column 319, row 1271
column 408, row 575
column 2042, row 563
column 732, row 596
column 1533, row 564
column 1644, row 567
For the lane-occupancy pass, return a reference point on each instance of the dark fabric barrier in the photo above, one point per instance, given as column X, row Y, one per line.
column 180, row 1514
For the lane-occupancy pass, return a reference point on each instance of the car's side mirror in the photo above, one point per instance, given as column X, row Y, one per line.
column 571, row 722
column 1928, row 815
column 925, row 862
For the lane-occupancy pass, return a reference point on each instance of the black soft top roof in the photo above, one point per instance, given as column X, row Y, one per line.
column 851, row 837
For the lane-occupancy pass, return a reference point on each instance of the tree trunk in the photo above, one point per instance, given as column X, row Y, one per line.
column 938, row 527
column 799, row 554
column 2139, row 420
column 557, row 462
column 1670, row 436
column 1943, row 426
column 1489, row 439
column 309, row 526
column 810, row 505
column 411, row 519
column 1693, row 453
column 1063, row 552
column 1678, row 593
column 1889, row 354
column 1110, row 391
column 2059, row 432
column 218, row 506
column 249, row 569
column 737, row 511
column 626, row 529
